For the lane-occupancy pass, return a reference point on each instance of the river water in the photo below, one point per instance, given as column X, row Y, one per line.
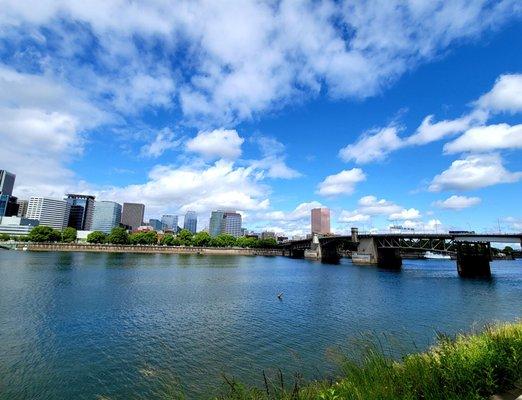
column 136, row 326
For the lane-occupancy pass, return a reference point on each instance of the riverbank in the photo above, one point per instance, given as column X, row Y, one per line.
column 475, row 366
column 151, row 249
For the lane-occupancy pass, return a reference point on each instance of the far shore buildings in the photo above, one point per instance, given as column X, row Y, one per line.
column 50, row 212
column 191, row 221
column 106, row 216
column 81, row 211
column 228, row 222
column 321, row 221
column 132, row 215
column 8, row 203
column 170, row 222
column 16, row 226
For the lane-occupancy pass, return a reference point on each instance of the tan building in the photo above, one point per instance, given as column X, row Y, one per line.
column 321, row 221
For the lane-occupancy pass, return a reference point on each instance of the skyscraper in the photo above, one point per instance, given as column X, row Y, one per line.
column 321, row 221
column 156, row 224
column 132, row 214
column 81, row 211
column 232, row 223
column 191, row 221
column 107, row 215
column 228, row 222
column 7, row 181
column 217, row 223
column 170, row 221
column 22, row 208
column 49, row 212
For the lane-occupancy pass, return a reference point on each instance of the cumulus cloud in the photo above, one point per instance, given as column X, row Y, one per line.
column 163, row 141
column 219, row 143
column 342, row 183
column 406, row 214
column 201, row 188
column 506, row 95
column 487, row 138
column 372, row 145
column 474, row 172
column 353, row 216
column 457, row 202
column 274, row 159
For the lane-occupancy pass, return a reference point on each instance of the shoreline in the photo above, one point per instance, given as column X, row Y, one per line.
column 147, row 249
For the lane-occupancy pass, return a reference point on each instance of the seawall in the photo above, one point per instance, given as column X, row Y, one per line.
column 113, row 248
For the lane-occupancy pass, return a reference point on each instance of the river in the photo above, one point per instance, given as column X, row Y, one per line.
column 136, row 326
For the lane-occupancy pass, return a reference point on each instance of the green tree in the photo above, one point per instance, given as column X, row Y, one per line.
column 508, row 250
column 42, row 233
column 267, row 243
column 69, row 235
column 97, row 237
column 202, row 239
column 4, row 237
column 224, row 240
column 150, row 237
column 185, row 236
column 118, row 235
column 167, row 240
column 249, row 242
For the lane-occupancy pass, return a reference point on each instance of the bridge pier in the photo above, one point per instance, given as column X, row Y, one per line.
column 473, row 259
column 389, row 258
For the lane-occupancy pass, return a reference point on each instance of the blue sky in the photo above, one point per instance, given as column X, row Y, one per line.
column 387, row 112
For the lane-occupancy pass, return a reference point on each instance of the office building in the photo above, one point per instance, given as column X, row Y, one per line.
column 22, row 208
column 132, row 215
column 170, row 222
column 156, row 224
column 106, row 216
column 321, row 221
column 49, row 212
column 8, row 206
column 81, row 211
column 268, row 235
column 16, row 226
column 233, row 222
column 191, row 221
column 7, row 181
column 217, row 223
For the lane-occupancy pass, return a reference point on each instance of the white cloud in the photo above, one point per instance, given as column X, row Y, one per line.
column 342, row 183
column 506, row 95
column 163, row 141
column 219, row 143
column 486, row 139
column 474, row 172
column 273, row 160
column 406, row 214
column 200, row 188
column 457, row 202
column 428, row 131
column 372, row 206
column 353, row 216
column 372, row 145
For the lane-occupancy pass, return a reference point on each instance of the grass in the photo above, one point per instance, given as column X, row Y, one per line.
column 466, row 367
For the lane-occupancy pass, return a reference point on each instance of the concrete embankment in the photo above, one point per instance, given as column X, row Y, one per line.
column 112, row 248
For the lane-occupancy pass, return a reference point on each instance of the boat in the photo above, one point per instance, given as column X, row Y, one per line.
column 436, row 256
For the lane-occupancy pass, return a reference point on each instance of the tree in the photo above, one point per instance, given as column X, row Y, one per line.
column 508, row 250
column 185, row 236
column 69, row 235
column 42, row 233
column 202, row 239
column 97, row 237
column 246, row 242
column 224, row 240
column 118, row 236
column 167, row 240
column 150, row 237
column 267, row 243
column 4, row 237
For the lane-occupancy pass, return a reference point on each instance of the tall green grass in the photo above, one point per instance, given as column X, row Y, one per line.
column 467, row 367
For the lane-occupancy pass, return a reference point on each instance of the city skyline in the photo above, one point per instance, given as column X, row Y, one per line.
column 403, row 130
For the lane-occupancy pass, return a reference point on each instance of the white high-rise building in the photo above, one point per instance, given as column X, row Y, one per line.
column 191, row 221
column 49, row 212
column 232, row 223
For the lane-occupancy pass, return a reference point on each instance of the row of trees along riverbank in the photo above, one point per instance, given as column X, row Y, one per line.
column 465, row 367
column 45, row 234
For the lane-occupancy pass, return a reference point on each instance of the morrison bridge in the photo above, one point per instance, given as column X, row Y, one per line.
column 472, row 251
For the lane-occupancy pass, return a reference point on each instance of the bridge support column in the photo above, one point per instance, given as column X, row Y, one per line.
column 473, row 260
column 389, row 258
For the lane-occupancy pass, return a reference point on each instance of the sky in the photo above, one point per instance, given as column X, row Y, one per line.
column 388, row 112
